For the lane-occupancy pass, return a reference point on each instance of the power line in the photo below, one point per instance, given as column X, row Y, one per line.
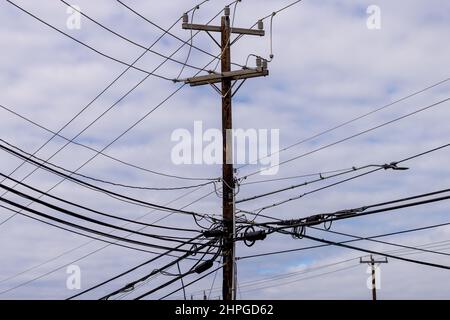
column 134, row 283
column 362, row 116
column 92, row 252
column 290, row 275
column 133, row 269
column 359, row 212
column 269, row 16
column 194, row 281
column 200, row 266
column 321, row 178
column 285, row 275
column 307, row 175
column 170, row 282
column 88, row 105
column 131, row 165
column 14, row 204
column 88, row 46
column 128, row 39
column 347, row 241
column 301, row 279
column 117, row 184
column 338, row 244
column 176, row 37
column 259, row 210
column 383, row 242
column 72, row 231
column 70, row 177
column 356, row 135
column 123, row 133
column 92, row 210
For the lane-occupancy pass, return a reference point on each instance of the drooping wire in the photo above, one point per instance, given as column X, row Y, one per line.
column 184, row 64
column 347, row 241
column 355, row 135
column 131, row 165
column 339, row 244
column 86, row 208
column 382, row 242
column 70, row 177
column 192, row 282
column 88, row 46
column 190, row 46
column 86, row 229
column 362, row 116
column 176, row 37
column 135, row 268
column 95, row 251
column 127, row 130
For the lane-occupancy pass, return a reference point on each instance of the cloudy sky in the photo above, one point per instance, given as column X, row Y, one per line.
column 328, row 68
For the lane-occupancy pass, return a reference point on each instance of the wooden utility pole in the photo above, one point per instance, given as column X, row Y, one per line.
column 227, row 175
column 372, row 262
column 226, row 77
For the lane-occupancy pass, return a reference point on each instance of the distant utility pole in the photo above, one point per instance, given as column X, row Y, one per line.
column 372, row 262
column 226, row 77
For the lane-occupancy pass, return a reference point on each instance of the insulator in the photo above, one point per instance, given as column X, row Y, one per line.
column 226, row 11
column 258, row 62
column 260, row 25
column 264, row 64
column 185, row 18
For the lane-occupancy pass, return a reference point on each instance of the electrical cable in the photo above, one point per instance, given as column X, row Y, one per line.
column 192, row 282
column 134, row 268
column 347, row 241
column 383, row 242
column 83, row 227
column 72, row 231
column 88, row 219
column 338, row 244
column 90, row 253
column 176, row 37
column 131, row 165
column 131, row 285
column 362, row 116
column 179, row 276
column 319, row 174
column 259, row 210
column 152, row 205
column 166, row 284
column 122, row 134
column 127, row 39
column 359, row 212
column 123, row 96
column 321, row 178
column 88, row 46
column 96, row 211
column 355, row 135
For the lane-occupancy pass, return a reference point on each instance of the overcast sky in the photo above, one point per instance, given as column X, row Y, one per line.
column 328, row 68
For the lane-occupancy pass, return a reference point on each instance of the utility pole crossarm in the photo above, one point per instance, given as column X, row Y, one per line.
column 232, row 75
column 201, row 27
column 372, row 260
